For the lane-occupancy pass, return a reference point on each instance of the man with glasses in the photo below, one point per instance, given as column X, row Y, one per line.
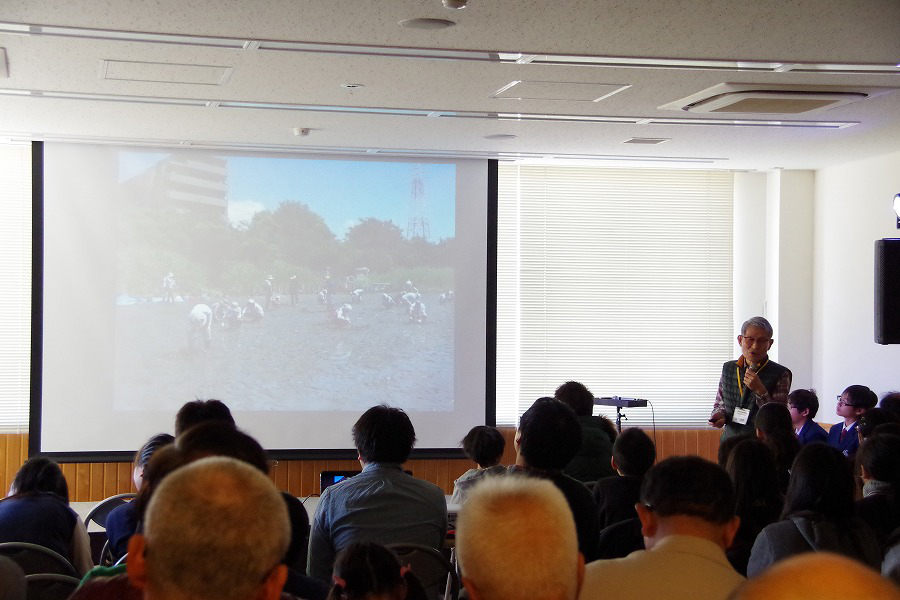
column 750, row 381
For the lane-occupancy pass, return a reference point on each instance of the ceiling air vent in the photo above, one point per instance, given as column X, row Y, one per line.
column 756, row 99
column 646, row 141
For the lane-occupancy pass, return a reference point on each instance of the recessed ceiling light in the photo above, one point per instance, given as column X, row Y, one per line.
column 427, row 23
column 352, row 86
column 501, row 136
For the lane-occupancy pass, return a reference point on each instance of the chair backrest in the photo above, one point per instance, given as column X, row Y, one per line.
column 433, row 569
column 50, row 586
column 102, row 509
column 37, row 559
column 12, row 580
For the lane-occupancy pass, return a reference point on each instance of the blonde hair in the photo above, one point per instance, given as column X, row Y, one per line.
column 515, row 538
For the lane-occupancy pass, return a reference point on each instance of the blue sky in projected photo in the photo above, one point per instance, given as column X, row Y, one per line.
column 341, row 192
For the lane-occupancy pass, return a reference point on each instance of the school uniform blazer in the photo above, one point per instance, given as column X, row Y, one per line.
column 812, row 432
column 849, row 445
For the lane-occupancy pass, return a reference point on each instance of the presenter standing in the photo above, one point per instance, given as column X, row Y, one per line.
column 750, row 381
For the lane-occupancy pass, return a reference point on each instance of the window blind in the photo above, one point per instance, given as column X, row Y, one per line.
column 15, row 286
column 618, row 278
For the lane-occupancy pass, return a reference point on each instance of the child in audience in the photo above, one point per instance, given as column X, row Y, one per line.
column 774, row 428
column 485, row 446
column 367, row 571
column 37, row 512
column 633, row 455
column 852, row 404
column 803, row 405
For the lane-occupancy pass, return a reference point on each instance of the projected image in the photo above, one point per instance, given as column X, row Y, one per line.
column 284, row 283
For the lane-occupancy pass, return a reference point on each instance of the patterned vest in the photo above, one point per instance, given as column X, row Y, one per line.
column 732, row 396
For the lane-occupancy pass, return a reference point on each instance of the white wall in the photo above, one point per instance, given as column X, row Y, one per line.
column 852, row 210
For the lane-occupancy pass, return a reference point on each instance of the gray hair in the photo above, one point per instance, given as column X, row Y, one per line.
column 759, row 322
column 495, row 540
column 214, row 529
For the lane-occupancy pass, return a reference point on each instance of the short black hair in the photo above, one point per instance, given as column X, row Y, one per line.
column 200, row 411
column 549, row 434
column 872, row 419
column 774, row 418
column 38, row 475
column 805, row 400
column 861, row 396
column 144, row 455
column 634, row 452
column 216, row 438
column 878, row 454
column 384, row 434
column 689, row 486
column 576, row 396
column 727, row 445
column 484, row 445
column 891, row 403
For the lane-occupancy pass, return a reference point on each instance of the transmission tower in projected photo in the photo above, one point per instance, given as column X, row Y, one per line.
column 417, row 226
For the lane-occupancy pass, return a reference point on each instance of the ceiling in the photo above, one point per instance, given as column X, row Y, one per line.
column 213, row 74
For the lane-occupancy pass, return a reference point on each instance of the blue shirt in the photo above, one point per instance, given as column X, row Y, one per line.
column 382, row 504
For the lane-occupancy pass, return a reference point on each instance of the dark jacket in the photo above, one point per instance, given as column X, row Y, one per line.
column 593, row 459
column 812, row 432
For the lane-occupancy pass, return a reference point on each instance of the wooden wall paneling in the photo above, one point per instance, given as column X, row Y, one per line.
column 125, row 478
column 307, row 485
column 97, row 473
column 279, row 475
column 82, row 491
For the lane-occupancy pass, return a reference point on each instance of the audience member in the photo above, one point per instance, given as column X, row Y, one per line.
column 546, row 440
column 891, row 403
column 121, row 523
column 201, row 411
column 818, row 514
column 804, row 404
column 879, row 464
column 591, row 461
column 774, row 428
column 852, row 404
column 819, row 576
column 215, row 529
column 633, row 455
column 37, row 512
column 367, row 571
column 687, row 513
column 382, row 504
column 485, row 446
column 873, row 418
column 754, row 475
column 728, row 444
column 516, row 539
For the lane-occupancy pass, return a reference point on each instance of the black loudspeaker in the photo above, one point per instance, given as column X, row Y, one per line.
column 887, row 291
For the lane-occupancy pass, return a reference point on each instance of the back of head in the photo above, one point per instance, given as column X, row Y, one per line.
column 365, row 570
column 549, row 434
column 872, row 419
column 819, row 575
column 861, row 397
column 384, row 434
column 805, row 400
column 774, row 418
column 200, row 411
column 496, row 541
column 634, row 452
column 214, row 529
column 484, row 445
column 754, row 475
column 822, row 482
column 728, row 444
column 40, row 475
column 146, row 452
column 891, row 403
column 879, row 455
column 576, row 396
column 217, row 438
column 689, row 486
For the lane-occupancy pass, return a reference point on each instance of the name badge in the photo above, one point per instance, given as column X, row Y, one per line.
column 741, row 416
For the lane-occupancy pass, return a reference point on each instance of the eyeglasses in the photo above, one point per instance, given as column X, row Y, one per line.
column 842, row 403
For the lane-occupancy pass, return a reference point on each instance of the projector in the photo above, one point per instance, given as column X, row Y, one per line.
column 620, row 402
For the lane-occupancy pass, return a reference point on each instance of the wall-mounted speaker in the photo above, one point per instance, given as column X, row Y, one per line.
column 887, row 291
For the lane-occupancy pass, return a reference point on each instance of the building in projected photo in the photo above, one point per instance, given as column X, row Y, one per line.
column 197, row 181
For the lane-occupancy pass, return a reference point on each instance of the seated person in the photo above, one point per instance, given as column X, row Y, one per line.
column 879, row 464
column 591, row 462
column 37, row 512
column 365, row 571
column 516, row 540
column 382, row 504
column 633, row 455
column 687, row 515
column 485, row 446
column 804, row 404
column 873, row 418
column 774, row 428
column 852, row 404
column 818, row 514
column 200, row 411
column 546, row 440
column 121, row 523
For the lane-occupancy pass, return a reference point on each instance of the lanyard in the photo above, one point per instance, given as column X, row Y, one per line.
column 737, row 370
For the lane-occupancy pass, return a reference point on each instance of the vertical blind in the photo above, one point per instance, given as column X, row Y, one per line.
column 15, row 286
column 618, row 278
